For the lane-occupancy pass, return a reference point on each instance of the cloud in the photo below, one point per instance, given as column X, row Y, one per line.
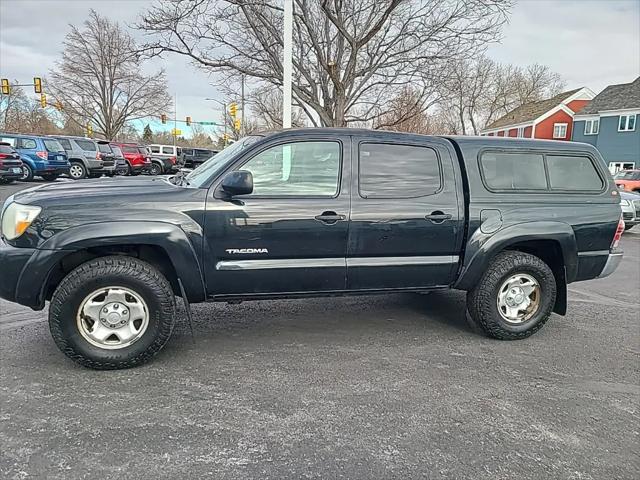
column 590, row 43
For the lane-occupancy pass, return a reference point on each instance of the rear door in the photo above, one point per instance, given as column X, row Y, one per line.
column 406, row 215
column 290, row 234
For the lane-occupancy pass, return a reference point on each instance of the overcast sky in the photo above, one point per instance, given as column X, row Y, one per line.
column 591, row 43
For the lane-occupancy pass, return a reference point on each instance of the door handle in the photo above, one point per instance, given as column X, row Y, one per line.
column 438, row 216
column 329, row 217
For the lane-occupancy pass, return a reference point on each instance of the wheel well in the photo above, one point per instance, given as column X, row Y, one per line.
column 550, row 252
column 151, row 254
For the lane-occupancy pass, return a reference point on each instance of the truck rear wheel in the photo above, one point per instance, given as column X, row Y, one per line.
column 112, row 312
column 514, row 297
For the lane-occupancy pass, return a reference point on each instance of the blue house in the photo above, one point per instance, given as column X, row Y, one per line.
column 610, row 123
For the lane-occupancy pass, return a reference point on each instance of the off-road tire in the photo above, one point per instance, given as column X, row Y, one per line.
column 482, row 300
column 128, row 272
column 155, row 169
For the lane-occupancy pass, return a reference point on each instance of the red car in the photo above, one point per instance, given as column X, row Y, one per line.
column 137, row 157
column 628, row 180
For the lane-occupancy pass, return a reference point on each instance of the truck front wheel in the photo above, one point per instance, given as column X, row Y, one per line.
column 514, row 297
column 112, row 312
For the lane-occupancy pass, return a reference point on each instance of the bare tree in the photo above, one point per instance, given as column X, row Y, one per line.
column 21, row 114
column 100, row 80
column 349, row 55
column 266, row 105
column 478, row 91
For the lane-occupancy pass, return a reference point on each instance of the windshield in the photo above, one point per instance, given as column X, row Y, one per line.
column 52, row 145
column 215, row 164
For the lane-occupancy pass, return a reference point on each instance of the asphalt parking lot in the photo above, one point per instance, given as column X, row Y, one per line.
column 392, row 386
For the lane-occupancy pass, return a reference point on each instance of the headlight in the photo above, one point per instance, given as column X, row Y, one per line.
column 16, row 218
column 625, row 202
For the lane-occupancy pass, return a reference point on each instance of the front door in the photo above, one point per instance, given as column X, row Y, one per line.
column 290, row 234
column 406, row 215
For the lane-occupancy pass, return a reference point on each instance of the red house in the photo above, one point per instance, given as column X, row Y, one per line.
column 549, row 119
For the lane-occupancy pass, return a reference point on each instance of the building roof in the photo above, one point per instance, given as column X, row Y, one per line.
column 615, row 97
column 530, row 111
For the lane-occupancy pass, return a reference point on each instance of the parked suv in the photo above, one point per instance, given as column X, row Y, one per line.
column 41, row 156
column 85, row 157
column 194, row 157
column 10, row 164
column 137, row 157
column 168, row 151
column 121, row 166
column 310, row 212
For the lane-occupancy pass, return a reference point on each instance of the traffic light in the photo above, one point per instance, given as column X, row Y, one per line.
column 43, row 100
column 37, row 84
column 236, row 124
column 188, row 121
column 163, row 118
column 89, row 130
column 59, row 105
column 6, row 88
column 233, row 110
column 225, row 137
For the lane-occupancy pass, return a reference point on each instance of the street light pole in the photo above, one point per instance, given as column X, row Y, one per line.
column 287, row 63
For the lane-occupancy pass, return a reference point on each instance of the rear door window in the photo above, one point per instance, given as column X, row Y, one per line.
column 6, row 149
column 27, row 143
column 155, row 149
column 115, row 149
column 513, row 171
column 66, row 144
column 398, row 171
column 86, row 145
column 104, row 147
column 128, row 149
column 167, row 150
column 10, row 141
column 573, row 172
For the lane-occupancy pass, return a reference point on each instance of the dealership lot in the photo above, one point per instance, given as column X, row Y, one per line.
column 393, row 386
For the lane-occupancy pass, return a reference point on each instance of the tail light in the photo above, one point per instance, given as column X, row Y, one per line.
column 98, row 156
column 43, row 155
column 3, row 155
column 618, row 235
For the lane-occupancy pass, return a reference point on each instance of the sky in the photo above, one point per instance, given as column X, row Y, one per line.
column 592, row 43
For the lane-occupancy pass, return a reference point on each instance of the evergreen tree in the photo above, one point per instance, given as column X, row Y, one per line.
column 147, row 134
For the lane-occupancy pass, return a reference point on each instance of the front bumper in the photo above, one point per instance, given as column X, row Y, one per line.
column 14, row 261
column 613, row 260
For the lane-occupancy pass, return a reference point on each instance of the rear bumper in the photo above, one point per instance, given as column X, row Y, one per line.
column 613, row 260
column 8, row 173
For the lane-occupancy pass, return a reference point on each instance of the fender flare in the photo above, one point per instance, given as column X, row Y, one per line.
column 169, row 237
column 481, row 248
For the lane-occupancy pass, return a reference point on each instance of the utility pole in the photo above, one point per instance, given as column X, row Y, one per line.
column 175, row 120
column 287, row 53
column 242, row 107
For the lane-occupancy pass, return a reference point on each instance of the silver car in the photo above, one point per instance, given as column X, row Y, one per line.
column 86, row 157
column 630, row 204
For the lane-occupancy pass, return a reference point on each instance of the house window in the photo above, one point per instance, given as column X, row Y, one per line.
column 591, row 127
column 559, row 130
column 627, row 123
column 520, row 132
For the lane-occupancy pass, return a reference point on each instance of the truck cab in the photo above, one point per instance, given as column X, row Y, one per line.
column 311, row 212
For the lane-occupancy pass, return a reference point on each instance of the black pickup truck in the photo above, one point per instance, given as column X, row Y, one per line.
column 310, row 212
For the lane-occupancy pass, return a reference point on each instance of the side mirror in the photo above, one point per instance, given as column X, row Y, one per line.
column 239, row 182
